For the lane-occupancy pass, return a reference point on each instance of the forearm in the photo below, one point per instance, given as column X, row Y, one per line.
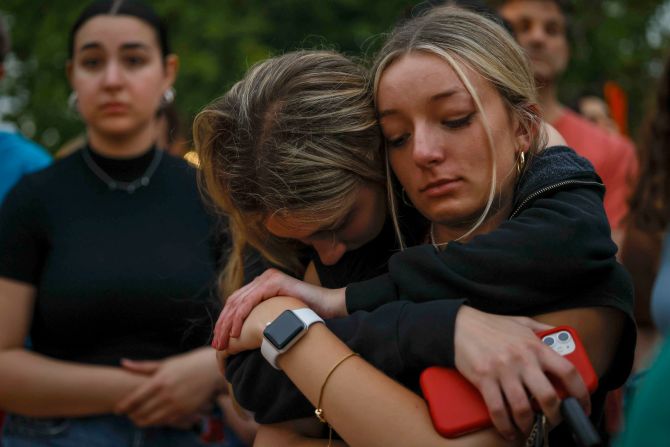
column 363, row 405
column 280, row 435
column 34, row 385
column 386, row 338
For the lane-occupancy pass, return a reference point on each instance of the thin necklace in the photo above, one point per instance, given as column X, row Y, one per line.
column 437, row 245
column 129, row 187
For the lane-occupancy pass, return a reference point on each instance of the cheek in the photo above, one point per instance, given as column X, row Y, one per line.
column 87, row 95
column 402, row 166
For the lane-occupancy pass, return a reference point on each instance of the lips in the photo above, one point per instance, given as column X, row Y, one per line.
column 440, row 187
column 114, row 107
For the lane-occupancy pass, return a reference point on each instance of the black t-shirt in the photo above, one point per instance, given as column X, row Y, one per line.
column 117, row 274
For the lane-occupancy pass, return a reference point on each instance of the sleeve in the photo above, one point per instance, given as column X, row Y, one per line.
column 22, row 240
column 396, row 337
column 557, row 246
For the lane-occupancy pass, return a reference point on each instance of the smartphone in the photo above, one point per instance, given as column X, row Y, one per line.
column 456, row 406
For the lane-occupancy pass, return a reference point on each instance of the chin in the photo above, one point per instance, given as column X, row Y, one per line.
column 118, row 127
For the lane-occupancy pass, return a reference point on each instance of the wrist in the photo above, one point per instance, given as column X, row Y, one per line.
column 337, row 303
column 270, row 310
column 285, row 331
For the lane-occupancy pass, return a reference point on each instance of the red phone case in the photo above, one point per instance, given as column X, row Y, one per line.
column 457, row 407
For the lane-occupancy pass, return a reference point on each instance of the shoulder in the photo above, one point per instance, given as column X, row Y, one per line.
column 177, row 166
column 58, row 171
column 590, row 140
column 554, row 165
column 22, row 152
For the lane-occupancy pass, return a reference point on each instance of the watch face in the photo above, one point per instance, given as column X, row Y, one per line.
column 283, row 329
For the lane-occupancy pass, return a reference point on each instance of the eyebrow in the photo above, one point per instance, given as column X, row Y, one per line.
column 436, row 97
column 125, row 46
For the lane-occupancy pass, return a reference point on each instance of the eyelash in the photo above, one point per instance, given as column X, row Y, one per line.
column 135, row 61
column 450, row 124
column 461, row 122
column 91, row 62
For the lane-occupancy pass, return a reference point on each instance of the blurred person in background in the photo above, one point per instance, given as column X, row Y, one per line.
column 647, row 415
column 597, row 111
column 18, row 155
column 540, row 27
column 107, row 261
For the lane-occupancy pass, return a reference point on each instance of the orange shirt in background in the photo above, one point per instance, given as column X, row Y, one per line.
column 612, row 155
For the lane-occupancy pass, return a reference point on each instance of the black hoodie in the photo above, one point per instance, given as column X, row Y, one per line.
column 555, row 252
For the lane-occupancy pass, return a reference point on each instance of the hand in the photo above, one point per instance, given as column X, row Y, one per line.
column 178, row 389
column 327, row 303
column 506, row 361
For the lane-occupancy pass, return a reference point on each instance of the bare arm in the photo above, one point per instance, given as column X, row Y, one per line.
column 302, row 433
column 363, row 405
column 34, row 385
column 591, row 323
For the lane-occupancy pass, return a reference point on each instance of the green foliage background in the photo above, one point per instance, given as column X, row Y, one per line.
column 217, row 40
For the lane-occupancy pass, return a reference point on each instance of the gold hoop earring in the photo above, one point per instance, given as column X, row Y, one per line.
column 520, row 162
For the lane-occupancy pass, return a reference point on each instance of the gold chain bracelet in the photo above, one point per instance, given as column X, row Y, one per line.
column 319, row 411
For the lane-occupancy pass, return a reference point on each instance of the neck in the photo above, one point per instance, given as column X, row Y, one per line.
column 548, row 97
column 123, row 146
column 446, row 232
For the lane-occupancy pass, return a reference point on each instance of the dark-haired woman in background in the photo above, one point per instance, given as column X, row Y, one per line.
column 107, row 261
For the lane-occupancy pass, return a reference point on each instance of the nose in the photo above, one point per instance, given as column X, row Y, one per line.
column 536, row 34
column 427, row 150
column 113, row 76
column 330, row 250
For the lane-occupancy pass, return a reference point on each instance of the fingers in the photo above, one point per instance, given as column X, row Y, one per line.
column 241, row 302
column 140, row 367
column 518, row 402
column 133, row 401
column 497, row 410
column 153, row 412
column 567, row 376
column 542, row 390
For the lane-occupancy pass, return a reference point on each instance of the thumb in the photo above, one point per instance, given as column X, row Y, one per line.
column 146, row 367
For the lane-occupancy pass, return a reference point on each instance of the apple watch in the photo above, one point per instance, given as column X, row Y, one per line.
column 285, row 331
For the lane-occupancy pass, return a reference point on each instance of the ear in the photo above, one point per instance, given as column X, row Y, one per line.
column 524, row 129
column 171, row 69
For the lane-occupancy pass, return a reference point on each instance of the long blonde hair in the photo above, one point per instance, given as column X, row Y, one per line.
column 297, row 135
column 467, row 39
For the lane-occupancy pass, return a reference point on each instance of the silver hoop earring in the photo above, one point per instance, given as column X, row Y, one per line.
column 168, row 96
column 72, row 102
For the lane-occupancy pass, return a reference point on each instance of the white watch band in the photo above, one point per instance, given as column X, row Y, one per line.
column 308, row 318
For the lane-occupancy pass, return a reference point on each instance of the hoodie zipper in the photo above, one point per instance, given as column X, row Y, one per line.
column 546, row 189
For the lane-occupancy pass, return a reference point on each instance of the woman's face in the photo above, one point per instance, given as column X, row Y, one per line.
column 119, row 74
column 437, row 143
column 353, row 228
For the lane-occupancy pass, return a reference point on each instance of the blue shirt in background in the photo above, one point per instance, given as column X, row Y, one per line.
column 18, row 156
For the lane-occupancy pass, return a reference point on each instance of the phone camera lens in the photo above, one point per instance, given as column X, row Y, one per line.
column 548, row 341
column 563, row 336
